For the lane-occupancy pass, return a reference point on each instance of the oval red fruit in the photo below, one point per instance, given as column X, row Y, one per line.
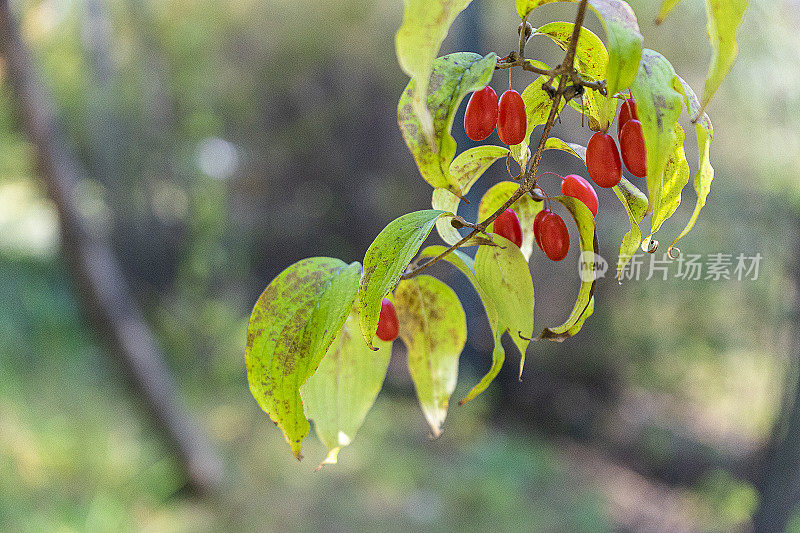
column 388, row 325
column 537, row 227
column 507, row 225
column 626, row 113
column 480, row 117
column 578, row 187
column 511, row 119
column 631, row 144
column 554, row 236
column 602, row 160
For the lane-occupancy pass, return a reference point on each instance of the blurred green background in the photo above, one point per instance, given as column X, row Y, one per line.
column 226, row 139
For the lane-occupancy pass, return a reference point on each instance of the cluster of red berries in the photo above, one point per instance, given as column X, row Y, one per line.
column 549, row 229
column 602, row 156
column 484, row 113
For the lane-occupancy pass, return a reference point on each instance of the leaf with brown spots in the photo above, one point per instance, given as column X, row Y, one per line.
column 505, row 276
column 291, row 327
column 658, row 105
column 417, row 42
column 453, row 77
column 342, row 390
column 434, row 329
column 386, row 260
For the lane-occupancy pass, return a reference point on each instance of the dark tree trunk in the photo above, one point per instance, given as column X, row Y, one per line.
column 108, row 302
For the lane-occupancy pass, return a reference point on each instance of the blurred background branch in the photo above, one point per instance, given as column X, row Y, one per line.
column 100, row 282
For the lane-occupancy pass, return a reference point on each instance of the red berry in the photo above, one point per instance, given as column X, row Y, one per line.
column 481, row 115
column 511, row 119
column 554, row 237
column 507, row 225
column 602, row 160
column 537, row 227
column 631, row 144
column 626, row 113
column 388, row 325
column 578, row 187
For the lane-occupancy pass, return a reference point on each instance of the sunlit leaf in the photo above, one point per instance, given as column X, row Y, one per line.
column 292, row 325
column 537, row 108
column 417, row 42
column 434, row 329
column 591, row 62
column 724, row 18
column 386, row 260
column 705, row 173
column 467, row 266
column 666, row 7
column 505, row 276
column 676, row 176
column 554, row 143
column 526, row 6
column 658, row 105
column 465, row 169
column 622, row 34
column 526, row 208
column 636, row 204
column 589, row 249
column 452, row 78
column 342, row 390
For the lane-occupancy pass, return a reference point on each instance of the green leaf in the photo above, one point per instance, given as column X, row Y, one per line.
column 386, row 260
column 705, row 173
column 526, row 208
column 587, row 235
column 658, row 105
column 676, row 176
column 624, row 42
column 592, row 62
column 537, row 109
column 506, row 278
column 465, row 169
column 417, row 42
column 635, row 203
column 434, row 329
column 292, row 325
column 452, row 78
column 342, row 390
column 724, row 18
column 666, row 7
column 467, row 266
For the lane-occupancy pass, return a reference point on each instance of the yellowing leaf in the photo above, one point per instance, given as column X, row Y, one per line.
column 724, row 18
column 526, row 209
column 292, row 325
column 658, row 105
column 342, row 390
column 465, row 169
column 705, row 172
column 589, row 248
column 417, row 42
column 452, row 78
column 505, row 276
column 434, row 329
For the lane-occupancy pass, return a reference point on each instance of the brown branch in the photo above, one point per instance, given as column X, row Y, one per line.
column 107, row 299
column 567, row 68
